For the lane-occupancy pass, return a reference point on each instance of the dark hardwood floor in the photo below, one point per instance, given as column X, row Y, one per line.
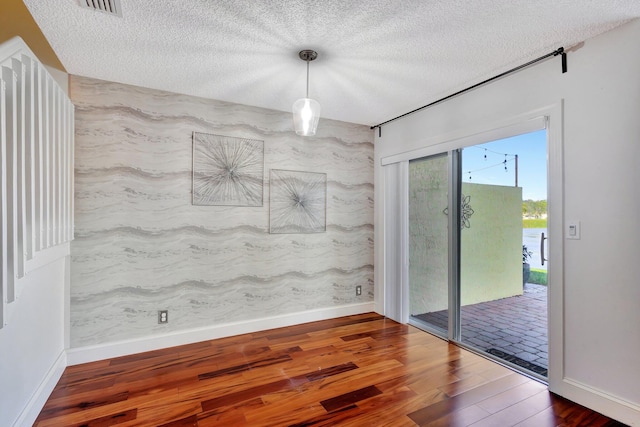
column 360, row 370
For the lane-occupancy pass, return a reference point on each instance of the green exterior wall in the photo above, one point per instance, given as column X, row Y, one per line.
column 491, row 246
column 491, row 249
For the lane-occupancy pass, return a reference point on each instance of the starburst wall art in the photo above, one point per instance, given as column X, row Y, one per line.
column 227, row 171
column 297, row 202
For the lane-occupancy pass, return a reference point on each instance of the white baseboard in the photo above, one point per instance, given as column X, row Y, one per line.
column 39, row 398
column 600, row 401
column 76, row 356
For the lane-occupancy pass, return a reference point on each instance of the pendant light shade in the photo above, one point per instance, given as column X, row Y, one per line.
column 306, row 114
column 306, row 111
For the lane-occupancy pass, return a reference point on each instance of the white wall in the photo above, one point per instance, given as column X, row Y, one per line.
column 601, row 140
column 32, row 343
column 33, row 333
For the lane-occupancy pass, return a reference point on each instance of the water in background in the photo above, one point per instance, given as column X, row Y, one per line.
column 531, row 238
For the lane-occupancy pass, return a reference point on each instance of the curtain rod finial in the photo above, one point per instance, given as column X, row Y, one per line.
column 560, row 51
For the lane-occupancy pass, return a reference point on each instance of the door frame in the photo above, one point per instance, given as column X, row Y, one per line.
column 551, row 118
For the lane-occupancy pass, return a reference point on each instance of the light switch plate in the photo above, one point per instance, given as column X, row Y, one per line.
column 573, row 230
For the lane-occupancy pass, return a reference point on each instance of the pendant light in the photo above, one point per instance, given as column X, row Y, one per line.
column 306, row 111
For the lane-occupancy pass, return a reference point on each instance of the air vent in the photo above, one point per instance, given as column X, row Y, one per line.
column 111, row 7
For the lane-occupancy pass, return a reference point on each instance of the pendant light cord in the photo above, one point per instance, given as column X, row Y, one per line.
column 307, row 77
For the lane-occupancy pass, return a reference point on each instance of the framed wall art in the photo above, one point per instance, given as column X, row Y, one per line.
column 297, row 202
column 227, row 171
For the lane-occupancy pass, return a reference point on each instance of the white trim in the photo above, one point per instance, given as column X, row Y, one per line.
column 555, row 227
column 67, row 302
column 3, row 205
column 404, row 242
column 524, row 123
column 379, row 270
column 600, row 401
column 396, row 248
column 39, row 398
column 14, row 47
column 80, row 355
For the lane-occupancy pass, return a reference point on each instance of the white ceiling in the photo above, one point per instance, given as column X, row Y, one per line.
column 376, row 59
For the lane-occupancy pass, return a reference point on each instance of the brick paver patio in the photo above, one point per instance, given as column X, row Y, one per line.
column 516, row 326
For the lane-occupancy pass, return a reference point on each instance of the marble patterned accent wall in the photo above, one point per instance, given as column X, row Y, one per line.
column 141, row 246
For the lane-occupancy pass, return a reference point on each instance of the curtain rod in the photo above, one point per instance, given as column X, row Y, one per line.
column 559, row 51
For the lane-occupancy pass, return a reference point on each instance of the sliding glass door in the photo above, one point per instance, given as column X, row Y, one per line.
column 503, row 305
column 429, row 243
column 466, row 210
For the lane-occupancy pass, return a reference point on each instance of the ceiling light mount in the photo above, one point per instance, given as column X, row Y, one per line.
column 308, row 55
column 306, row 111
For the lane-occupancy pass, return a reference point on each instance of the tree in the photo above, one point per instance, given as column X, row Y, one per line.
column 534, row 208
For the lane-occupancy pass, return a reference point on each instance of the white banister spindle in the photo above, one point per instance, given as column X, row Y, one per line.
column 59, row 165
column 3, row 203
column 62, row 222
column 20, row 119
column 54, row 165
column 47, row 161
column 11, row 188
column 30, row 139
column 41, row 112
column 36, row 168
column 71, row 171
column 65, row 174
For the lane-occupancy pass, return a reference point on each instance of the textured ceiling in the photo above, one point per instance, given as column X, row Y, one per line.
column 376, row 59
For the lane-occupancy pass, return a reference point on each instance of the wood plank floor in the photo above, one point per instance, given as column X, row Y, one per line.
column 360, row 370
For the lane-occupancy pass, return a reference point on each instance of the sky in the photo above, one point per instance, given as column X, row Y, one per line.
column 531, row 149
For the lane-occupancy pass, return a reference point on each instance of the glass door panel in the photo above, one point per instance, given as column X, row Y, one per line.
column 428, row 243
column 501, row 312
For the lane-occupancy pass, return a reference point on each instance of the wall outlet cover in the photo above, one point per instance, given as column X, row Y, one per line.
column 163, row 316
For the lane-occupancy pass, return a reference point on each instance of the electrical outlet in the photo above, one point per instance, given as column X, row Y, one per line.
column 163, row 316
column 358, row 290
